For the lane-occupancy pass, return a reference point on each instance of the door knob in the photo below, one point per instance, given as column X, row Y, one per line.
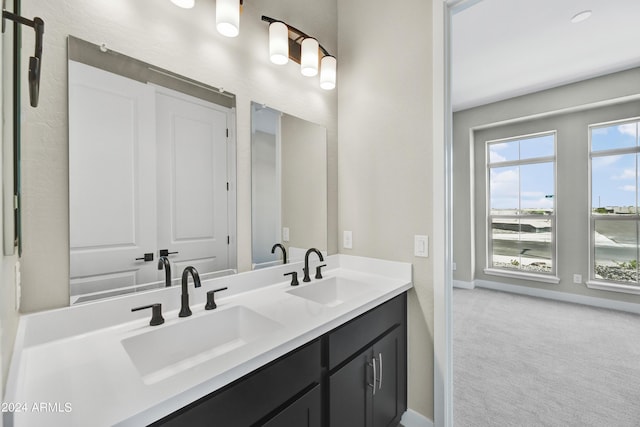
column 146, row 258
column 165, row 252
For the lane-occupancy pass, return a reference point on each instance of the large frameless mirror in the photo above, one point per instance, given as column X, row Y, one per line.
column 151, row 175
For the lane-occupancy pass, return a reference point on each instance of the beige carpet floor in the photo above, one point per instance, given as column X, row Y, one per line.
column 524, row 361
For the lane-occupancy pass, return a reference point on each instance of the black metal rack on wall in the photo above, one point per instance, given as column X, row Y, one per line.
column 35, row 62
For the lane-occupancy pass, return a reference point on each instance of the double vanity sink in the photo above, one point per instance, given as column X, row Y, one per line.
column 162, row 352
column 108, row 366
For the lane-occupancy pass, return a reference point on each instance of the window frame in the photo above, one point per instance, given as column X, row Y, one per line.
column 599, row 283
column 548, row 277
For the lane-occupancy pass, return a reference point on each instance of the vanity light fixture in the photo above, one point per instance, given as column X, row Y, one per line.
column 278, row 43
column 309, row 57
column 287, row 42
column 228, row 17
column 328, row 72
column 185, row 4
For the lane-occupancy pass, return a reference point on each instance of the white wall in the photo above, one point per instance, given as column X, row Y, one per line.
column 568, row 109
column 385, row 152
column 185, row 42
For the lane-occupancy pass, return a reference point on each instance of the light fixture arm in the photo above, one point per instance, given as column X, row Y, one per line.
column 34, row 62
column 300, row 34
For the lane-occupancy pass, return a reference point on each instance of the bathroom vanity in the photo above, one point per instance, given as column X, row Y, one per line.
column 330, row 352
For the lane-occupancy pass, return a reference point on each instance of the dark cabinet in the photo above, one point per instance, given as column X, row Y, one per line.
column 370, row 389
column 353, row 376
column 304, row 412
column 257, row 396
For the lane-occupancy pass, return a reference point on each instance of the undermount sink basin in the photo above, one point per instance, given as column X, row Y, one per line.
column 171, row 349
column 331, row 292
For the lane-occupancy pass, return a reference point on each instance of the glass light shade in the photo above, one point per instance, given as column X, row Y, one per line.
column 228, row 17
column 279, row 43
column 328, row 72
column 309, row 57
column 185, row 4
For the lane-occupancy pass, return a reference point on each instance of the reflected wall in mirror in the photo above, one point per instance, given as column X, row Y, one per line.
column 288, row 185
column 151, row 175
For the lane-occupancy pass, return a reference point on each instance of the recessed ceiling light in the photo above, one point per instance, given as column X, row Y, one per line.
column 581, row 16
column 185, row 4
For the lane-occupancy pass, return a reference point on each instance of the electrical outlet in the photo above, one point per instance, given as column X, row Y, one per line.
column 285, row 234
column 347, row 240
column 577, row 278
column 454, row 266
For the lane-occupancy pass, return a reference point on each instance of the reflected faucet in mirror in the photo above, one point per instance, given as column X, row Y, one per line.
column 163, row 262
column 284, row 251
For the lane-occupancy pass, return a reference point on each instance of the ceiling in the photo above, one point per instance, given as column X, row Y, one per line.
column 507, row 48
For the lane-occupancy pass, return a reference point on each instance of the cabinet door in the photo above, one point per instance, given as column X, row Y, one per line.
column 350, row 401
column 389, row 385
column 304, row 412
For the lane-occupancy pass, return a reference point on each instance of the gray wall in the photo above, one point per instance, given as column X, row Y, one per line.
column 569, row 110
column 304, row 174
column 385, row 151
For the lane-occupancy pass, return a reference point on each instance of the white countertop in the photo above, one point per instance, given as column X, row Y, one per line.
column 69, row 366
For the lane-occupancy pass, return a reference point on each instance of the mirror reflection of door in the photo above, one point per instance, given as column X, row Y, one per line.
column 192, row 181
column 266, row 193
column 148, row 171
column 112, row 171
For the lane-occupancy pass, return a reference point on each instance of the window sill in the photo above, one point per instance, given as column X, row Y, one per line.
column 615, row 287
column 523, row 276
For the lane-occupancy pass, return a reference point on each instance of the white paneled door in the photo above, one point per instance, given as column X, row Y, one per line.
column 112, row 195
column 192, row 181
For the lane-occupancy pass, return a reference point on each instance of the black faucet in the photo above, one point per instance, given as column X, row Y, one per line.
column 163, row 261
column 284, row 252
column 185, row 311
column 306, row 263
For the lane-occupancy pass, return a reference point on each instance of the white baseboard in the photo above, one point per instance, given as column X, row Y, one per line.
column 560, row 296
column 463, row 285
column 413, row 419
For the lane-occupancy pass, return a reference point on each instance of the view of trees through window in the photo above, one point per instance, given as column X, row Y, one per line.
column 521, row 176
column 614, row 202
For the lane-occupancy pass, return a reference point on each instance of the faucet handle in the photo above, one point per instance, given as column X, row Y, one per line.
column 294, row 278
column 156, row 313
column 319, row 271
column 211, row 304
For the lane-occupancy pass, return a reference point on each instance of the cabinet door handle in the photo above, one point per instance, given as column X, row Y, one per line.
column 373, row 386
column 380, row 380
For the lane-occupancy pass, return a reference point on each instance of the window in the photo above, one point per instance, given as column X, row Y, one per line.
column 614, row 202
column 521, row 199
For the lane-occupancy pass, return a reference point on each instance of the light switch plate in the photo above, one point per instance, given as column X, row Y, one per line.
column 421, row 246
column 285, row 234
column 347, row 240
